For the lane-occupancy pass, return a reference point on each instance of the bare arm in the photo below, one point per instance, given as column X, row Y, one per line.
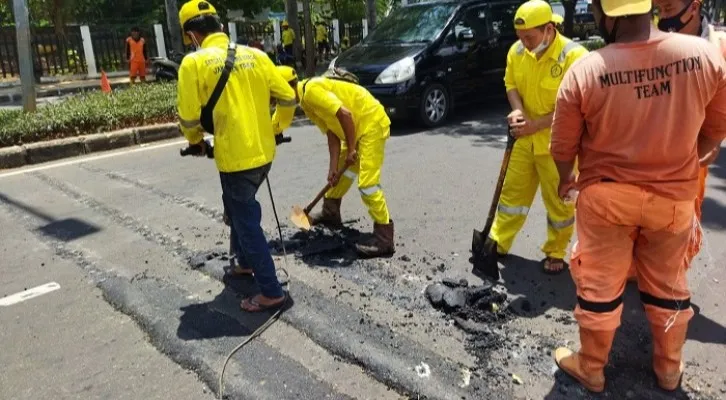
column 334, row 150
column 345, row 118
column 544, row 122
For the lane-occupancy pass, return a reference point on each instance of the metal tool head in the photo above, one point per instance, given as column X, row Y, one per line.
column 300, row 218
column 484, row 255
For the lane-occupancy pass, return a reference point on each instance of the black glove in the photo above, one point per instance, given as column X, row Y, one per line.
column 280, row 139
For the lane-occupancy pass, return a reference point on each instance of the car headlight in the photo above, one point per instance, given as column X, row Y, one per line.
column 400, row 71
column 332, row 63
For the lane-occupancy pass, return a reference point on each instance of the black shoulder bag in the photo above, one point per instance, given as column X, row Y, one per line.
column 207, row 117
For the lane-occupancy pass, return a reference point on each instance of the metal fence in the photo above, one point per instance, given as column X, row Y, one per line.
column 63, row 54
column 109, row 45
column 53, row 53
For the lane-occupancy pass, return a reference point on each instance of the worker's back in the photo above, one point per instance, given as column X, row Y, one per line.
column 242, row 122
column 644, row 104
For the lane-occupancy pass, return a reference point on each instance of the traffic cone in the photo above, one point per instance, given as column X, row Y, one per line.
column 105, row 85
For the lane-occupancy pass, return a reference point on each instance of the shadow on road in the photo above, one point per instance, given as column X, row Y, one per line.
column 66, row 230
column 484, row 124
column 223, row 316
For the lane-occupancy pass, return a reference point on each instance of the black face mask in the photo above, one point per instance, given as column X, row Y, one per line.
column 674, row 24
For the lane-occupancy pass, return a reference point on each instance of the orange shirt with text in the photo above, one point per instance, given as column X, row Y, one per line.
column 632, row 112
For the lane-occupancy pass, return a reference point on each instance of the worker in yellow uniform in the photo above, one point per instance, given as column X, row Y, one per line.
column 536, row 64
column 321, row 37
column 357, row 127
column 241, row 124
column 288, row 38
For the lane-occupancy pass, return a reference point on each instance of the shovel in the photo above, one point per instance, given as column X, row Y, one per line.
column 483, row 248
column 301, row 216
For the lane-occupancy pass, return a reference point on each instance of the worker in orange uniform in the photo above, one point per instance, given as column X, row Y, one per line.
column 136, row 55
column 633, row 114
column 684, row 16
column 536, row 64
column 357, row 128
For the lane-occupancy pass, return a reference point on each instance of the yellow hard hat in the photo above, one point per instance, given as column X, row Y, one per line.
column 535, row 13
column 288, row 73
column 621, row 8
column 193, row 9
column 284, row 23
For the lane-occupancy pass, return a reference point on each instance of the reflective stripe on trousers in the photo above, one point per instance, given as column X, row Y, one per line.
column 525, row 174
column 368, row 171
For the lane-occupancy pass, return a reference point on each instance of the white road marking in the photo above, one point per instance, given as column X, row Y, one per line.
column 140, row 148
column 28, row 294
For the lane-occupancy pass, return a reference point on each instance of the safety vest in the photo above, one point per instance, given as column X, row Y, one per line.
column 136, row 49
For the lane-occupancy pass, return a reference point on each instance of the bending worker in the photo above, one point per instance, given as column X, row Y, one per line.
column 357, row 127
column 244, row 141
column 685, row 16
column 621, row 113
column 535, row 66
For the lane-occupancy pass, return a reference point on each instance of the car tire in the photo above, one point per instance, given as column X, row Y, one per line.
column 435, row 105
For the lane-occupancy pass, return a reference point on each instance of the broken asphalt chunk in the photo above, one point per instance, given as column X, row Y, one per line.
column 454, row 299
column 435, row 294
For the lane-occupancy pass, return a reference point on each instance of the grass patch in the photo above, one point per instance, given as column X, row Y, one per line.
column 594, row 44
column 90, row 113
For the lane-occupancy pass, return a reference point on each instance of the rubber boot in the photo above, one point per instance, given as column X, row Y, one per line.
column 330, row 215
column 667, row 352
column 587, row 365
column 381, row 244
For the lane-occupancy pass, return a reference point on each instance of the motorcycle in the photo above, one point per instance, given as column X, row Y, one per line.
column 166, row 68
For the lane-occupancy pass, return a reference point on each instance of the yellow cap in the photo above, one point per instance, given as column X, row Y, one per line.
column 621, row 8
column 288, row 73
column 193, row 9
column 535, row 13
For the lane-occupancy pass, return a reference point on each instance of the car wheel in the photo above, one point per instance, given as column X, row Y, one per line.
column 435, row 105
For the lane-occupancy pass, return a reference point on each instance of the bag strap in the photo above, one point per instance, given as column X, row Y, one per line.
column 223, row 78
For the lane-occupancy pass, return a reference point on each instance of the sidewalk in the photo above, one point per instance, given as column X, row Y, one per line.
column 13, row 94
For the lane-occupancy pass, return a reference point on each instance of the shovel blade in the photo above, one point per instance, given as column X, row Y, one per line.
column 300, row 218
column 484, row 255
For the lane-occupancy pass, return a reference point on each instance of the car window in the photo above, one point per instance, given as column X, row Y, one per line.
column 473, row 20
column 412, row 24
column 502, row 19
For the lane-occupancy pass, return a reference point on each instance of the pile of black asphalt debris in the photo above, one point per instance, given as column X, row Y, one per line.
column 478, row 310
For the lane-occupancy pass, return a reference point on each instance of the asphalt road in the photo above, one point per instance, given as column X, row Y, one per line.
column 137, row 315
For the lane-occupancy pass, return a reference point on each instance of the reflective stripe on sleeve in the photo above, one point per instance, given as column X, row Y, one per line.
column 189, row 123
column 287, row 103
column 350, row 174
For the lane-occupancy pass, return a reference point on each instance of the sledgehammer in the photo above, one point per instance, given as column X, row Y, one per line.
column 483, row 248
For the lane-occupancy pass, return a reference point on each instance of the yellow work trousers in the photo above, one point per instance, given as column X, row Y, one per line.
column 371, row 151
column 525, row 173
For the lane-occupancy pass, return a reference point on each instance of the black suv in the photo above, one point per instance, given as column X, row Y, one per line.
column 424, row 58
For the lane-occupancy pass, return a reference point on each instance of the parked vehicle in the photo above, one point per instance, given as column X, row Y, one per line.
column 425, row 58
column 584, row 26
column 166, row 68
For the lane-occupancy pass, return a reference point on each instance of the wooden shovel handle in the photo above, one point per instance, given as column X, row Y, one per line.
column 325, row 189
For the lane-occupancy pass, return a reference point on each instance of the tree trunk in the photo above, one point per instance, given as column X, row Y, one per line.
column 59, row 21
column 371, row 13
column 309, row 40
column 291, row 9
column 174, row 26
column 569, row 24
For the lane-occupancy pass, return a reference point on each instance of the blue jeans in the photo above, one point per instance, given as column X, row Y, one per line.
column 244, row 212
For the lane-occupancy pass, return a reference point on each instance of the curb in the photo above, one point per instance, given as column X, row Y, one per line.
column 52, row 150
column 17, row 97
column 40, row 152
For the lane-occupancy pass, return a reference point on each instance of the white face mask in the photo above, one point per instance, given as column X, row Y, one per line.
column 542, row 46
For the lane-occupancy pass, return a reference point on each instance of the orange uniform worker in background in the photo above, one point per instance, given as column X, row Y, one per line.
column 136, row 55
column 638, row 115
